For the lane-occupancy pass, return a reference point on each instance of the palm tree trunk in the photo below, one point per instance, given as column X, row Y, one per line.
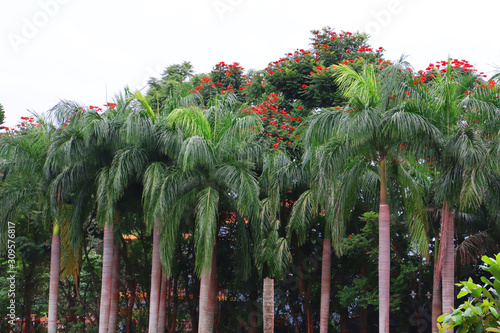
column 448, row 276
column 207, row 298
column 154, row 297
column 212, row 310
column 438, row 268
column 204, row 324
column 436, row 300
column 162, row 311
column 55, row 257
column 384, row 244
column 115, row 290
column 326, row 267
column 268, row 305
column 107, row 259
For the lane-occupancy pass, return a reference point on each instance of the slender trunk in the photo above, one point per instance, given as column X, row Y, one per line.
column 172, row 321
column 436, row 301
column 293, row 313
column 195, row 324
column 212, row 310
column 130, row 306
column 204, row 323
column 115, row 290
column 384, row 243
column 162, row 311
column 27, row 298
column 309, row 315
column 305, row 292
column 268, row 305
column 55, row 257
column 107, row 260
column 154, row 297
column 326, row 267
column 344, row 321
column 438, row 268
column 448, row 275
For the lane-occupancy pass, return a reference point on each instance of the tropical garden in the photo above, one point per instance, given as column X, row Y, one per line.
column 333, row 191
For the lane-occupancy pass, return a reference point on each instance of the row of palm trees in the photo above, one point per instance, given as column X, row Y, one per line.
column 396, row 139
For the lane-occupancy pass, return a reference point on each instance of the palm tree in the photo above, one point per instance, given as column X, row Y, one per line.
column 366, row 135
column 317, row 199
column 464, row 171
column 22, row 156
column 151, row 149
column 80, row 156
column 281, row 173
column 272, row 257
column 215, row 162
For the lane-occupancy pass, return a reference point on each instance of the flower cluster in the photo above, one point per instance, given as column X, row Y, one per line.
column 304, row 74
column 439, row 68
column 224, row 78
column 333, row 48
column 25, row 123
column 280, row 128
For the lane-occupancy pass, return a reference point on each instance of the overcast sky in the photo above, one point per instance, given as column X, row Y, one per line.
column 90, row 50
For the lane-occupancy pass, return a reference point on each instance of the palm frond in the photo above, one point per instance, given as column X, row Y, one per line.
column 207, row 212
column 192, row 121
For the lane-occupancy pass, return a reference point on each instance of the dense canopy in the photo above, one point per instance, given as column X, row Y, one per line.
column 213, row 201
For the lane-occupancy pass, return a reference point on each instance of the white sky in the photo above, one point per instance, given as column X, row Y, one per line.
column 87, row 50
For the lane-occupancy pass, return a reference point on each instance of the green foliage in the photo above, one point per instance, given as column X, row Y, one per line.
column 304, row 76
column 480, row 312
column 178, row 72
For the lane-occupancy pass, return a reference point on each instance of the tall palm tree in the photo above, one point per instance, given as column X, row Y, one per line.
column 317, row 199
column 152, row 148
column 366, row 135
column 80, row 156
column 272, row 257
column 215, row 164
column 281, row 172
column 460, row 110
column 23, row 188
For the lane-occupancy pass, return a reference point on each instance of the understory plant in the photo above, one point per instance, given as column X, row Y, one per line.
column 480, row 312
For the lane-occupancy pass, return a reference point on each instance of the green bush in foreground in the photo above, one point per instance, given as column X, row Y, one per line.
column 480, row 313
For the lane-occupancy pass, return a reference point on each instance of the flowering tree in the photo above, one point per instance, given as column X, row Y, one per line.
column 223, row 79
column 304, row 74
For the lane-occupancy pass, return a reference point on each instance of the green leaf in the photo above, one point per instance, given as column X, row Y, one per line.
column 494, row 311
column 442, row 317
column 457, row 318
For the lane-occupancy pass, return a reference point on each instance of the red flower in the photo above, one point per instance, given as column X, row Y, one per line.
column 300, row 108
